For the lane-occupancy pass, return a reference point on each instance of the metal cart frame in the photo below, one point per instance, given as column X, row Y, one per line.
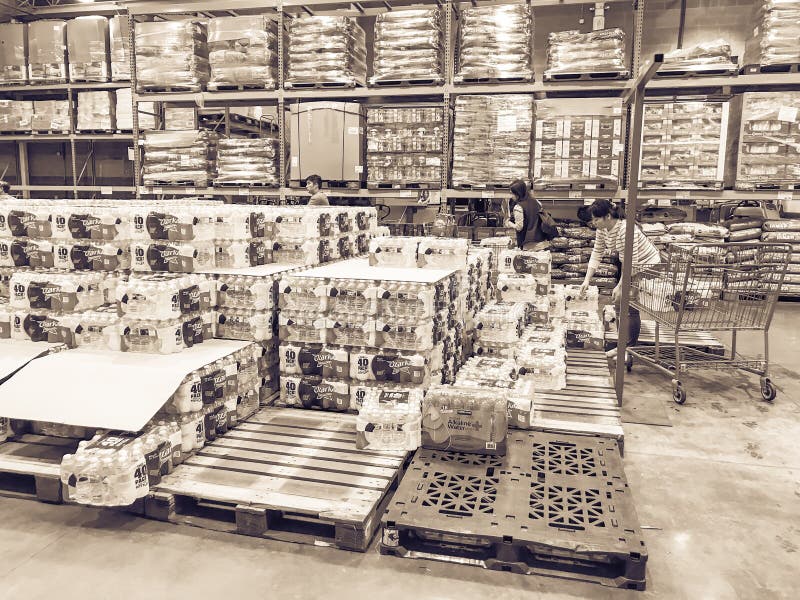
column 709, row 287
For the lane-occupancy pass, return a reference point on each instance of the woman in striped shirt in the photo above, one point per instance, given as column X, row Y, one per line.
column 610, row 241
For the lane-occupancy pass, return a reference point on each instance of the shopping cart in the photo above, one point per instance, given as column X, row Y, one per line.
column 709, row 287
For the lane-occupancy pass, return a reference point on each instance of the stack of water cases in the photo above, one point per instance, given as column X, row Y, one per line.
column 409, row 47
column 243, row 53
column 171, row 55
column 247, row 161
column 492, row 140
column 769, row 143
column 404, row 145
column 570, row 255
column 572, row 53
column 581, row 321
column 683, row 144
column 495, row 43
column 478, row 283
column 578, row 143
column 498, row 328
column 326, row 50
column 186, row 157
column 524, row 278
column 774, row 39
column 541, row 354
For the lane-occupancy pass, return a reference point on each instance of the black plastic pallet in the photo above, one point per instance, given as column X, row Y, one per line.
column 223, row 87
column 480, row 186
column 691, row 73
column 581, row 186
column 330, row 185
column 246, row 184
column 323, row 85
column 168, row 89
column 406, row 185
column 772, row 186
column 500, row 80
column 608, row 75
column 406, row 82
column 782, row 68
column 554, row 505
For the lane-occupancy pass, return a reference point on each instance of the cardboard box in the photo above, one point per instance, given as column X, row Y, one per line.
column 47, row 50
column 88, row 49
column 14, row 53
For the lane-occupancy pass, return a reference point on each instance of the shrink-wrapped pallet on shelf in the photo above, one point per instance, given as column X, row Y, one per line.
column 495, row 42
column 774, row 37
column 96, row 111
column 119, row 29
column 13, row 53
column 683, row 144
column 707, row 56
column 51, row 115
column 179, row 117
column 404, row 145
column 492, row 139
column 769, row 144
column 171, row 55
column 571, row 53
column 248, row 161
column 179, row 157
column 47, row 51
column 409, row 46
column 243, row 51
column 124, row 112
column 15, row 115
column 87, row 48
column 578, row 141
column 326, row 50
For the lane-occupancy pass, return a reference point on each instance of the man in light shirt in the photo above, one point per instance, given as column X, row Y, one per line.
column 318, row 197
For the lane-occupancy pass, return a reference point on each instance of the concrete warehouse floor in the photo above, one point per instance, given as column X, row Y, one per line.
column 718, row 494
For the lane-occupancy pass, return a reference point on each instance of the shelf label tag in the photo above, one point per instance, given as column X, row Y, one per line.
column 487, row 194
column 244, row 192
column 784, row 196
column 662, row 202
column 158, row 191
column 576, row 194
column 588, row 201
column 106, row 190
column 130, row 154
column 787, row 113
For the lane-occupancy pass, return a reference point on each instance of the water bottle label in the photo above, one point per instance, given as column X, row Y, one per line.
column 114, row 440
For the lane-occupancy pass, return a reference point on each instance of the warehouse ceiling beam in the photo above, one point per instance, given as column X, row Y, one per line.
column 62, row 10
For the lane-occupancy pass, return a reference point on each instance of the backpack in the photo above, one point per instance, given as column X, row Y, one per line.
column 547, row 224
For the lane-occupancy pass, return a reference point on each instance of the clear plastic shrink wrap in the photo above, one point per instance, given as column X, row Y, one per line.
column 14, row 53
column 714, row 54
column 572, row 52
column 96, row 111
column 119, row 28
column 87, row 48
column 15, row 115
column 124, row 112
column 174, row 157
column 409, row 44
column 776, row 33
column 495, row 42
column 326, row 50
column 51, row 115
column 247, row 161
column 47, row 51
column 171, row 54
column 243, row 51
column 770, row 139
column 404, row 145
column 492, row 139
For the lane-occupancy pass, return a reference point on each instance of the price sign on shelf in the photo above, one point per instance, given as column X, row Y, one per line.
column 576, row 194
column 662, row 202
column 785, row 196
column 487, row 194
column 106, row 190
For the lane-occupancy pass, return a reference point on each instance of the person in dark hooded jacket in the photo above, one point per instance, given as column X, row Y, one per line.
column 526, row 218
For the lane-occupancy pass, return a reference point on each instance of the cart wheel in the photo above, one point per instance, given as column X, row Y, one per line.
column 768, row 390
column 628, row 362
column 678, row 393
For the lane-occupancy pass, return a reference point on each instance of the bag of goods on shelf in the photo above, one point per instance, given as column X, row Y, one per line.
column 47, row 48
column 243, row 291
column 713, row 54
column 172, row 257
column 96, row 111
column 244, row 324
column 171, row 54
column 394, row 252
column 15, row 115
column 124, row 112
column 404, row 145
column 164, row 296
column 768, row 138
column 789, row 236
column 442, row 253
column 88, row 48
column 745, row 235
column 495, row 42
column 326, row 50
column 389, row 418
column 584, row 329
column 243, row 51
column 463, row 419
column 684, row 143
column 578, row 141
column 409, row 45
column 774, row 38
column 119, row 29
column 572, row 53
column 492, row 139
column 699, row 231
column 51, row 115
column 14, row 53
column 247, row 161
column 782, row 225
column 179, row 157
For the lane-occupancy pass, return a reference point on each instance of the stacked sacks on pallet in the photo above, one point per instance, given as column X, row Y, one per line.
column 744, row 229
column 571, row 252
column 185, row 157
column 774, row 40
column 247, row 161
column 572, row 53
column 786, row 231
column 171, row 54
column 326, row 50
column 715, row 54
column 409, row 45
column 243, row 51
column 495, row 43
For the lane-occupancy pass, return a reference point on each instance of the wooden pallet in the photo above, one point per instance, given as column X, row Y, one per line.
column 663, row 73
column 587, row 406
column 30, row 467
column 288, row 475
column 480, row 186
column 246, row 184
column 784, row 68
column 702, row 340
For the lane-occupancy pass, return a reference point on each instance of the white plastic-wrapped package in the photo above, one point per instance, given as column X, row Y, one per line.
column 409, row 45
column 247, row 161
column 171, row 54
column 124, row 112
column 243, row 51
column 714, row 54
column 775, row 34
column 492, row 139
column 326, row 50
column 47, row 50
column 176, row 157
column 96, row 111
column 119, row 28
column 572, row 52
column 496, row 42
